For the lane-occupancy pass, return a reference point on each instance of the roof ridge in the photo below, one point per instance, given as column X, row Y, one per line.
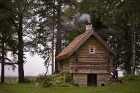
column 79, row 40
column 75, row 43
column 87, row 31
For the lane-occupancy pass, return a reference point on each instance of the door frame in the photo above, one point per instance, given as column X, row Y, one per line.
column 92, row 79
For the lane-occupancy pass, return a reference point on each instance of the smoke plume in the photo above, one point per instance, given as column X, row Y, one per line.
column 85, row 17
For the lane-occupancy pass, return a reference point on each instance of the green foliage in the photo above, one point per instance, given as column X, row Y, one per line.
column 125, row 87
column 26, row 80
column 68, row 77
column 40, row 78
column 131, row 78
column 46, row 82
column 54, row 80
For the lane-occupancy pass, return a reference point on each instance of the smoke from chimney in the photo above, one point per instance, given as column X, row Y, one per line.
column 85, row 17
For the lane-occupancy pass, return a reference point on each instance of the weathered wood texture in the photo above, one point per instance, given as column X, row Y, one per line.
column 92, row 63
column 64, row 65
column 83, row 62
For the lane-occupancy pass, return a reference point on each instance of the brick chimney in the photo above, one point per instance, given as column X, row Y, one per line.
column 88, row 26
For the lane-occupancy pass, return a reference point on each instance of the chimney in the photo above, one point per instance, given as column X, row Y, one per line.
column 88, row 26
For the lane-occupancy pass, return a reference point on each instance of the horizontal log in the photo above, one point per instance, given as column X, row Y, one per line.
column 90, row 71
column 91, row 59
column 65, row 68
column 88, row 65
column 96, row 53
column 96, row 50
column 92, row 63
column 93, row 67
column 87, row 47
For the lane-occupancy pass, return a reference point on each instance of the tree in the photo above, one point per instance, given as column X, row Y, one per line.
column 7, row 41
column 20, row 12
column 120, row 19
column 49, row 26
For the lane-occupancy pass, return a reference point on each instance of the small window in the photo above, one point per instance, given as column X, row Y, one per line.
column 92, row 50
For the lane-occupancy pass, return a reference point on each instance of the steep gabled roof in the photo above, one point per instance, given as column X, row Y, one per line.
column 79, row 40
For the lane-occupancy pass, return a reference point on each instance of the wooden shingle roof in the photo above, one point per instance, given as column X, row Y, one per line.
column 79, row 40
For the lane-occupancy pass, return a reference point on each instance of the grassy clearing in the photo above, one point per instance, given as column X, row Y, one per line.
column 14, row 79
column 129, row 85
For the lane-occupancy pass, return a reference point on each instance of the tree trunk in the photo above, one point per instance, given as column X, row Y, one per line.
column 134, row 39
column 2, row 62
column 53, row 50
column 128, row 52
column 133, row 52
column 58, row 36
column 20, row 54
column 53, row 37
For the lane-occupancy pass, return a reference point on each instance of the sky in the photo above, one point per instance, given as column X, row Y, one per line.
column 33, row 67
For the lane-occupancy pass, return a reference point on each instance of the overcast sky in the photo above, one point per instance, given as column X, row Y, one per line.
column 33, row 67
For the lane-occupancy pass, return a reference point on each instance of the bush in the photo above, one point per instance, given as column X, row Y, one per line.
column 55, row 80
column 40, row 78
column 131, row 78
column 43, row 81
column 26, row 80
column 68, row 77
column 46, row 82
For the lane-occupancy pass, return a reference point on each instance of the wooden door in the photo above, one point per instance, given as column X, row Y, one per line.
column 92, row 79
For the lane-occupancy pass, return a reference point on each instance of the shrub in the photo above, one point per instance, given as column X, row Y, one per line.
column 55, row 80
column 68, row 77
column 40, row 78
column 46, row 82
column 43, row 81
column 131, row 78
column 26, row 80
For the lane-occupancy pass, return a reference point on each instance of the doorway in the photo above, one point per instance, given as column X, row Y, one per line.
column 92, row 79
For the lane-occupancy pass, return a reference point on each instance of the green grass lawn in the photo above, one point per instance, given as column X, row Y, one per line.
column 128, row 86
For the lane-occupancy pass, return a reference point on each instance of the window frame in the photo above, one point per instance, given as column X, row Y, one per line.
column 91, row 48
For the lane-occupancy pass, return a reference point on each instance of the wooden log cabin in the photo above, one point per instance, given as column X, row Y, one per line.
column 89, row 58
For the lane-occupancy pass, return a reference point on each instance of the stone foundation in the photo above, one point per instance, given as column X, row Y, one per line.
column 81, row 79
column 103, row 79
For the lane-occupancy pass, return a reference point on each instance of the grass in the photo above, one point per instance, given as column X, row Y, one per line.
column 129, row 85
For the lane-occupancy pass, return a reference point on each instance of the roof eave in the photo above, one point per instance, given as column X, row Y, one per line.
column 80, row 43
column 104, row 43
column 62, row 57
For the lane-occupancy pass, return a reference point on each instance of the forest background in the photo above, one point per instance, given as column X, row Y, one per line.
column 45, row 27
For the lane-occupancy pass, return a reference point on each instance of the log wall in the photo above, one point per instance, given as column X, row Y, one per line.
column 92, row 63
column 64, row 65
